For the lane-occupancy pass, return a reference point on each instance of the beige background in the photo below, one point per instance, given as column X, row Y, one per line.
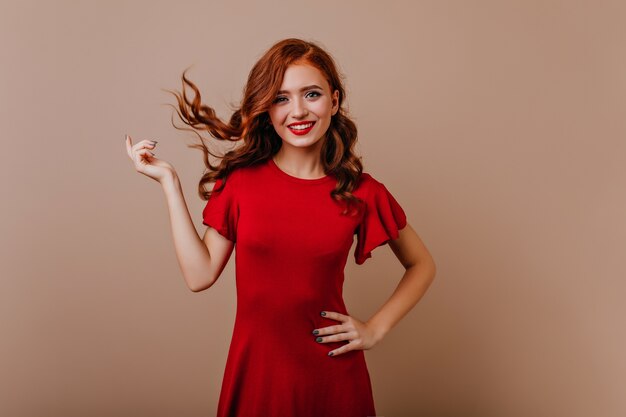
column 499, row 126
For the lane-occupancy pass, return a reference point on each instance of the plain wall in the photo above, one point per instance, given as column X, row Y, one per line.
column 498, row 126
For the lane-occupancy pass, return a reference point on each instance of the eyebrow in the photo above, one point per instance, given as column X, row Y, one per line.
column 308, row 87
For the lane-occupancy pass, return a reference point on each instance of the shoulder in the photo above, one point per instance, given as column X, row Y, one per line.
column 240, row 174
column 374, row 192
column 367, row 179
column 366, row 186
column 241, row 178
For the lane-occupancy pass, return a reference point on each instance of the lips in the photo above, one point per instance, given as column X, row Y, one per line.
column 297, row 128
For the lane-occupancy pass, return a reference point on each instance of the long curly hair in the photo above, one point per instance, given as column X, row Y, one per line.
column 250, row 123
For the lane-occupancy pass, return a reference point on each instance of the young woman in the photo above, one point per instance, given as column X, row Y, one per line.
column 291, row 197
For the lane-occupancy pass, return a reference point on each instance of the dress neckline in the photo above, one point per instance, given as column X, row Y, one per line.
column 298, row 180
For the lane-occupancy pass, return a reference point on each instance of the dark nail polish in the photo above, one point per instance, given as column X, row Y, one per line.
column 330, row 353
column 319, row 339
column 323, row 313
column 316, row 332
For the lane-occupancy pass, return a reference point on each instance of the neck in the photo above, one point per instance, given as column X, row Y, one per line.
column 300, row 162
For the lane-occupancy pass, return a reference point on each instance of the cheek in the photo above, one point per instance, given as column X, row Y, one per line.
column 274, row 115
column 279, row 117
column 323, row 108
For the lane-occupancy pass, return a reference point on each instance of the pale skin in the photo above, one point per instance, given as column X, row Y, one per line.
column 202, row 260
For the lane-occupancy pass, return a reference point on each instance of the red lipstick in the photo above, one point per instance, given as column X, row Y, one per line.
column 301, row 132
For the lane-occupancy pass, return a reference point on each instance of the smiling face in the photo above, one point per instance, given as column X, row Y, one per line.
column 303, row 107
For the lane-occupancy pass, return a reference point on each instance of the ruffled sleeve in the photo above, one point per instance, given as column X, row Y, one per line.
column 382, row 220
column 222, row 211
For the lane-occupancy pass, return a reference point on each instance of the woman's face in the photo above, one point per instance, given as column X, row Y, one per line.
column 304, row 99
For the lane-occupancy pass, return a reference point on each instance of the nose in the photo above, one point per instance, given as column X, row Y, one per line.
column 299, row 109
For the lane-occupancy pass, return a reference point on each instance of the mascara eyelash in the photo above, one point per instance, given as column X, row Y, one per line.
column 277, row 99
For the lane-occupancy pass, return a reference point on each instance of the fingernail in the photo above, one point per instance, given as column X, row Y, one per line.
column 319, row 339
column 316, row 332
column 323, row 313
column 330, row 353
column 154, row 141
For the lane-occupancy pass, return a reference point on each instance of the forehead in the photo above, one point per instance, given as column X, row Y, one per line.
column 300, row 75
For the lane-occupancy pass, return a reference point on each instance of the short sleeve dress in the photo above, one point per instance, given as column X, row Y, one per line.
column 291, row 247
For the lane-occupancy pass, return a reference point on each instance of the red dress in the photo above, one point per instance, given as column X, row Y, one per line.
column 291, row 247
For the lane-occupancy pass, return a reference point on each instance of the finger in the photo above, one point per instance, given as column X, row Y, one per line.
column 335, row 316
column 144, row 156
column 133, row 149
column 336, row 337
column 338, row 328
column 144, row 144
column 145, row 152
column 345, row 348
column 129, row 144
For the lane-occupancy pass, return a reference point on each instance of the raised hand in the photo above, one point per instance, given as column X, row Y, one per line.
column 146, row 162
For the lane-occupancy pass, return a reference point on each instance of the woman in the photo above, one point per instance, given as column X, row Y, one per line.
column 291, row 197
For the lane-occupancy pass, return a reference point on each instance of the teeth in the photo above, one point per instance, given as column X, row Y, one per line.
column 302, row 127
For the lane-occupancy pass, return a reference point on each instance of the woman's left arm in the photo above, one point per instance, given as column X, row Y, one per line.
column 419, row 274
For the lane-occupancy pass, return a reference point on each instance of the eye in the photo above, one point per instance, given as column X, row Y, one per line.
column 280, row 99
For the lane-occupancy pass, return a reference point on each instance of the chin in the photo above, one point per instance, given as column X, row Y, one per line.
column 302, row 142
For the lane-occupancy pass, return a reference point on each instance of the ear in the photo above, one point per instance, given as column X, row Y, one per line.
column 335, row 101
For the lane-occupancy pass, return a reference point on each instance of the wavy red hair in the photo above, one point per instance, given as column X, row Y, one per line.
column 250, row 123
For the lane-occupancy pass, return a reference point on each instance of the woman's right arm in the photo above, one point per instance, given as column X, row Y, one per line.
column 201, row 260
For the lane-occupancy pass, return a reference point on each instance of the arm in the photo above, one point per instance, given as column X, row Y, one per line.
column 419, row 274
column 201, row 260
